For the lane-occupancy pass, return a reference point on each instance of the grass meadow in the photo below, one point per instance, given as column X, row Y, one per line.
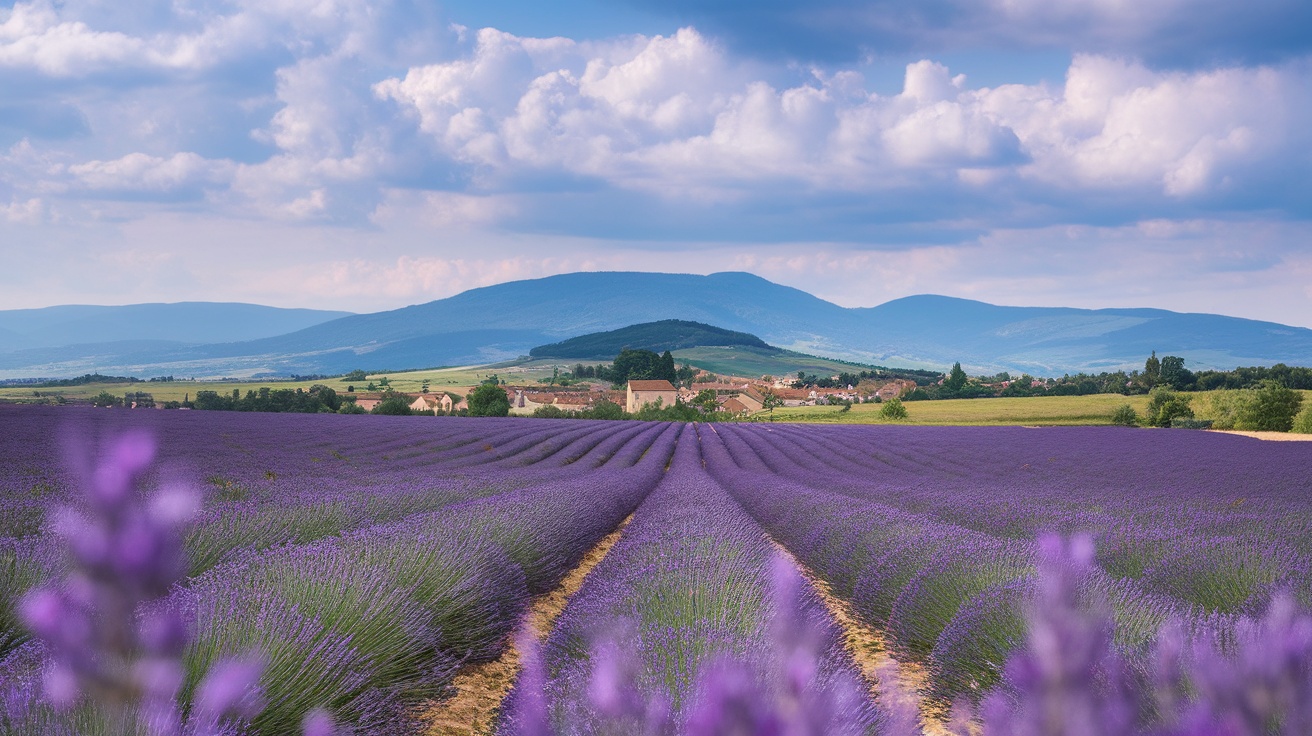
column 1044, row 410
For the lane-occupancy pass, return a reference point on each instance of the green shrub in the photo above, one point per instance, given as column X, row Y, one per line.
column 1125, row 416
column 396, row 407
column 1272, row 409
column 550, row 411
column 1166, row 405
column 1303, row 422
column 893, row 409
column 1225, row 407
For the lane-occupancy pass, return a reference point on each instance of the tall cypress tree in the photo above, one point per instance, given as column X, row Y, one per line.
column 666, row 368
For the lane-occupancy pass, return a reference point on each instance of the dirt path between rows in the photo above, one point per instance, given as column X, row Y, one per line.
column 1269, row 436
column 480, row 689
column 869, row 649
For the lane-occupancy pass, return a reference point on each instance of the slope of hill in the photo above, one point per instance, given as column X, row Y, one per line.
column 504, row 321
column 183, row 322
column 666, row 334
column 751, row 362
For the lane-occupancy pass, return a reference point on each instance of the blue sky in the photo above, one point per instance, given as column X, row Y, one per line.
column 366, row 155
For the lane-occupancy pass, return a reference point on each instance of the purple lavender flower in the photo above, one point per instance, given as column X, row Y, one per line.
column 111, row 646
column 1069, row 681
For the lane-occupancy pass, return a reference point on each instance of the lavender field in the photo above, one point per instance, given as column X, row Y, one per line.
column 341, row 572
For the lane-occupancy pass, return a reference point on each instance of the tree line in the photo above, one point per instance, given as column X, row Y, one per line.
column 636, row 365
column 1168, row 372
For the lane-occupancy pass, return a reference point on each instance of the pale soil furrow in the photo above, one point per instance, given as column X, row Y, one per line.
column 1269, row 436
column 479, row 689
column 869, row 649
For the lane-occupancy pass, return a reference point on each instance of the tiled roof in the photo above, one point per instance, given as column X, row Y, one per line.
column 651, row 386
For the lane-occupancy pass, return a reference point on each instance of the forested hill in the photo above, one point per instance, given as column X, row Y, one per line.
column 666, row 334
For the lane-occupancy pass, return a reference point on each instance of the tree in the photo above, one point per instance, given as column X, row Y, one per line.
column 1152, row 369
column 633, row 365
column 326, row 396
column 665, row 369
column 706, row 400
column 771, row 401
column 1172, row 373
column 1272, row 409
column 423, row 387
column 356, row 375
column 106, row 399
column 488, row 400
column 685, row 374
column 392, row 406
column 956, row 380
column 605, row 409
column 1023, row 386
column 893, row 409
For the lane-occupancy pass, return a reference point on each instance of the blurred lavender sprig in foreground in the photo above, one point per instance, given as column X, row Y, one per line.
column 1070, row 680
column 111, row 653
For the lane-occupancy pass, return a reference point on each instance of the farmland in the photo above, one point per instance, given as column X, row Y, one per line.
column 459, row 377
column 373, row 561
column 1027, row 410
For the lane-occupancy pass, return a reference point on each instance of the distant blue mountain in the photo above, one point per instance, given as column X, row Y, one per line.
column 504, row 321
column 184, row 322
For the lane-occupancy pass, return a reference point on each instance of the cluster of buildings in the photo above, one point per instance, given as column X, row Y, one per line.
column 735, row 396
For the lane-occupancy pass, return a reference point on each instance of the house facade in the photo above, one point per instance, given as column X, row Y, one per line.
column 649, row 392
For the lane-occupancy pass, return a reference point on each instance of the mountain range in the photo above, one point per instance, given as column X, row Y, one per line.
column 505, row 321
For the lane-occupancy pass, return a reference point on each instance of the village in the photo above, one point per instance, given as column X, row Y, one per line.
column 737, row 396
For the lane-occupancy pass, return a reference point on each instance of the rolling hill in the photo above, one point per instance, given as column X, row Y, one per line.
column 666, row 334
column 504, row 321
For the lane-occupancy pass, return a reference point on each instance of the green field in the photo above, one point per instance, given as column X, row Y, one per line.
column 1036, row 410
column 1032, row 410
column 405, row 382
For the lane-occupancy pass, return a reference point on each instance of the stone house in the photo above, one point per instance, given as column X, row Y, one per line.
column 649, row 392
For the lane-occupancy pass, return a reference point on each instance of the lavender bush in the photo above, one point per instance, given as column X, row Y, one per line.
column 1070, row 678
column 683, row 628
column 113, row 658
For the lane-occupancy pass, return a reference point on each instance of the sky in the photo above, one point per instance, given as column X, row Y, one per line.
column 365, row 155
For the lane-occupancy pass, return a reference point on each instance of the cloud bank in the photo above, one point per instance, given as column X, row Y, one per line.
column 362, row 142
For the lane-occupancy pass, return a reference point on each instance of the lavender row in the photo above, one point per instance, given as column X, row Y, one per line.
column 681, row 629
column 1218, row 555
column 1020, row 481
column 947, row 596
column 271, row 481
column 270, row 495
column 259, row 455
column 370, row 623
